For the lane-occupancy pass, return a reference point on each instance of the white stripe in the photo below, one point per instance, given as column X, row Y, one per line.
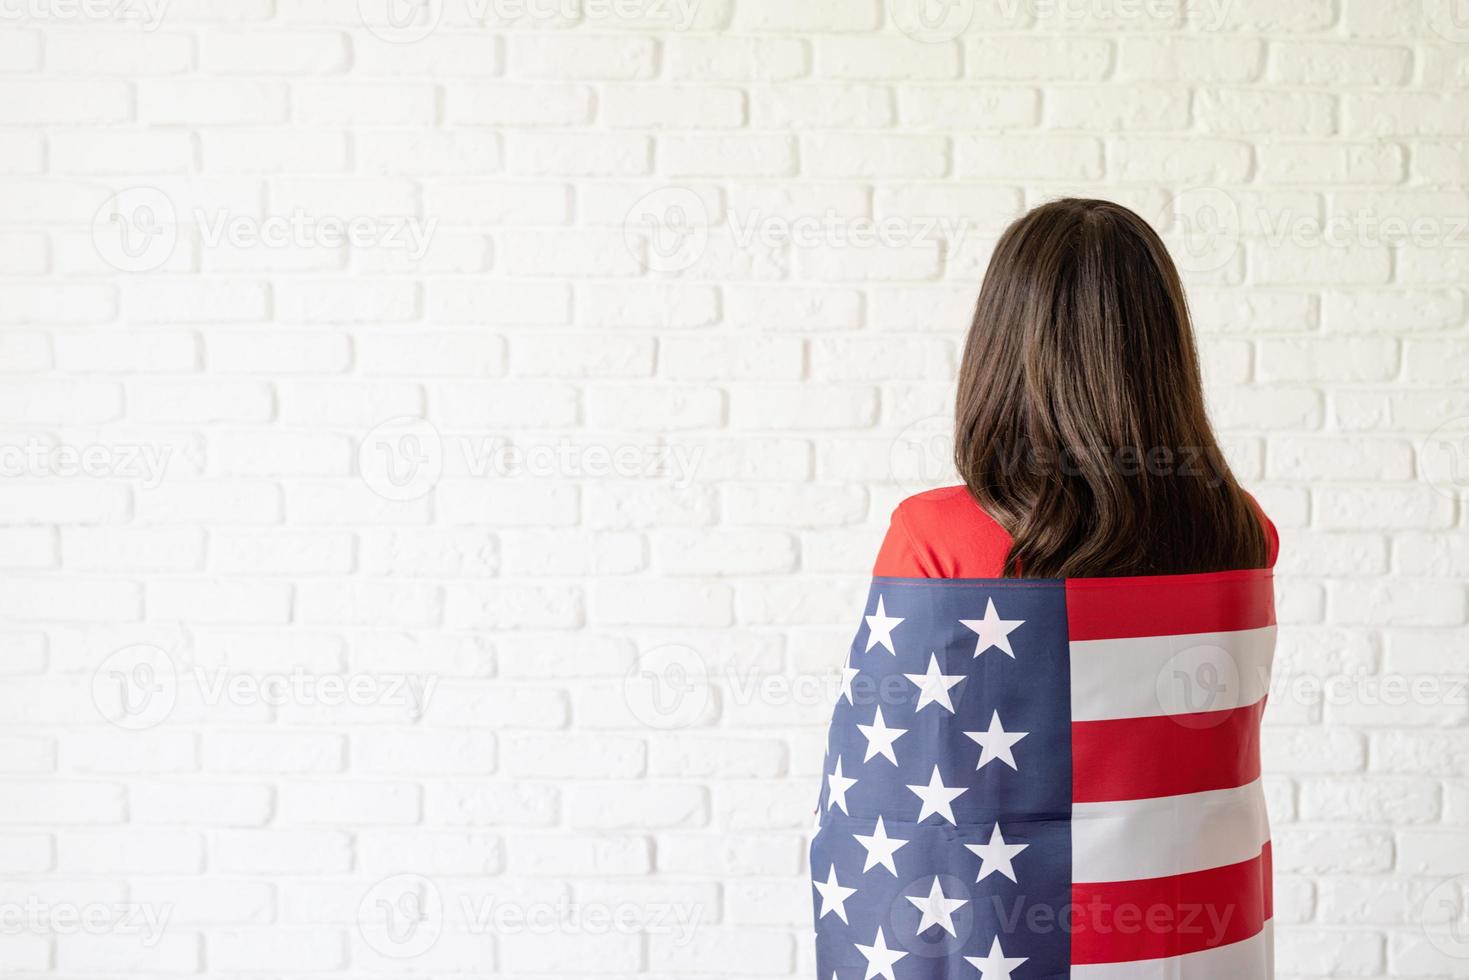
column 1144, row 676
column 1248, row 959
column 1167, row 835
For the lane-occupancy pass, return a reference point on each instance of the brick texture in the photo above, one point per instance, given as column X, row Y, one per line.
column 443, row 444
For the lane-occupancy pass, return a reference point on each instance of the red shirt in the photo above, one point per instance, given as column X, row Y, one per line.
column 944, row 533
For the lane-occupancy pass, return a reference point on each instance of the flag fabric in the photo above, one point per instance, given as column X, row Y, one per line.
column 1030, row 779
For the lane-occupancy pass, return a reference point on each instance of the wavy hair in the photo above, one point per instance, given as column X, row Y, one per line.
column 1080, row 419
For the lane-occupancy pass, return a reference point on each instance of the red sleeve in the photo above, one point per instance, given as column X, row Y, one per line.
column 942, row 534
column 898, row 558
column 1272, row 536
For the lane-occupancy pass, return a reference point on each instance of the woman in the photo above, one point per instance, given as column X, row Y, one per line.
column 1044, row 761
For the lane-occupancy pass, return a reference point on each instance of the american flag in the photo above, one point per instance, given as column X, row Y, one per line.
column 1032, row 779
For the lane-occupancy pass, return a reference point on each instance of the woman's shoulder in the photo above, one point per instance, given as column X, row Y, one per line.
column 943, row 533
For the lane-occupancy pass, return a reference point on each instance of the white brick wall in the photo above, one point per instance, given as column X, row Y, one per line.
column 442, row 455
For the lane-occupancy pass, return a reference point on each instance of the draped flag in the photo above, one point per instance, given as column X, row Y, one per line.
column 1029, row 779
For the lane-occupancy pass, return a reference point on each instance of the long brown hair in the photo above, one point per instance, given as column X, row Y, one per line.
column 1080, row 420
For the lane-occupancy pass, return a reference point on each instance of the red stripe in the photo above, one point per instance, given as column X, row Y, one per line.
column 1121, row 921
column 1169, row 605
column 1165, row 755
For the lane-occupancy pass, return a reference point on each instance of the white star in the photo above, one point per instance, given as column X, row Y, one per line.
column 997, row 856
column 849, row 674
column 934, row 686
column 880, row 738
column 937, row 908
column 880, row 628
column 880, row 848
column 937, row 798
column 995, row 966
column 833, row 895
column 993, row 631
column 838, row 785
column 996, row 743
column 880, row 959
